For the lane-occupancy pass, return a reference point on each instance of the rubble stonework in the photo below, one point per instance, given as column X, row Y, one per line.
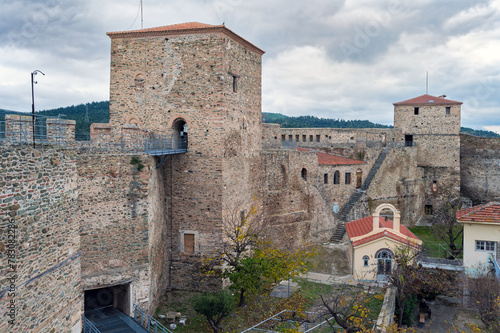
column 39, row 242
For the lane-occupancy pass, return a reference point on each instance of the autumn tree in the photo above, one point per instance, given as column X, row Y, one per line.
column 248, row 259
column 446, row 226
column 350, row 310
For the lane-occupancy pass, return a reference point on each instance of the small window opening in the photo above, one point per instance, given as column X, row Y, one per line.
column 235, row 82
column 304, row 173
column 283, row 137
column 325, row 178
column 366, row 260
column 297, row 138
column 318, row 138
column 310, row 138
column 336, row 178
column 347, row 178
column 415, row 110
column 408, row 140
column 189, row 243
column 429, row 210
column 448, row 110
column 290, row 137
column 304, row 138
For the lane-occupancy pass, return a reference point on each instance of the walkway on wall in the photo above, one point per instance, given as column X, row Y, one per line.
column 343, row 213
column 111, row 320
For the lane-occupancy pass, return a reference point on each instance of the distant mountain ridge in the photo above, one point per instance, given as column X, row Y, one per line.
column 98, row 112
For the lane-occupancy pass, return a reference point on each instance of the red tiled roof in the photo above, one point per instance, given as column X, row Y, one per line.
column 427, row 100
column 179, row 26
column 365, row 225
column 488, row 213
column 189, row 28
column 329, row 159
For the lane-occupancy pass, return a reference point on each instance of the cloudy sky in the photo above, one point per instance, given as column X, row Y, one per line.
column 347, row 59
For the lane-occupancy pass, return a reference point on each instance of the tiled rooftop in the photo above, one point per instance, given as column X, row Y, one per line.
column 488, row 213
column 365, row 225
column 330, row 159
column 427, row 100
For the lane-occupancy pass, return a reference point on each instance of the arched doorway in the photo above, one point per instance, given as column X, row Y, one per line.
column 384, row 263
column 180, row 134
column 359, row 178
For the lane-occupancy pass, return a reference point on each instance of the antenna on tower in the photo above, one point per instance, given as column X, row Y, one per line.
column 142, row 20
column 427, row 83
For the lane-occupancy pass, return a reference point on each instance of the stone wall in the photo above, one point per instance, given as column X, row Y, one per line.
column 38, row 230
column 114, row 210
column 480, row 168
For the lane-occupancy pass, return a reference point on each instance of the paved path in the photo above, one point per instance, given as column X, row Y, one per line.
column 446, row 318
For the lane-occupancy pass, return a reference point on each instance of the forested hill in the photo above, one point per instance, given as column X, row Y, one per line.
column 98, row 112
column 312, row 122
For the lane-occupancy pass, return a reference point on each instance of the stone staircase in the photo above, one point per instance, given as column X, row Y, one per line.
column 343, row 213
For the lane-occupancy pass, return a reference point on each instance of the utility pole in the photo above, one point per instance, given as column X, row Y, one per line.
column 33, row 101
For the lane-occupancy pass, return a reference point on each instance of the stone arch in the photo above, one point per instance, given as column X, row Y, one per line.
column 139, row 80
column 396, row 216
column 180, row 131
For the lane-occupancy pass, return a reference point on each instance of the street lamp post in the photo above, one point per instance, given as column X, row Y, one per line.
column 33, row 101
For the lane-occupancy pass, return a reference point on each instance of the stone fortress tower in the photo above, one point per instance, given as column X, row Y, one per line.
column 204, row 80
column 432, row 125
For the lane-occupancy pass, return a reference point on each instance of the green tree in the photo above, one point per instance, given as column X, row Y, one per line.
column 447, row 227
column 248, row 260
column 214, row 307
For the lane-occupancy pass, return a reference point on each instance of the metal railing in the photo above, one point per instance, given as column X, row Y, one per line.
column 494, row 261
column 148, row 322
column 36, row 130
column 45, row 132
column 88, row 327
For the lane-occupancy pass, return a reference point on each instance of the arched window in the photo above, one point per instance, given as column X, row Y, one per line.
column 304, row 173
column 181, row 134
column 336, row 177
column 366, row 260
column 384, row 262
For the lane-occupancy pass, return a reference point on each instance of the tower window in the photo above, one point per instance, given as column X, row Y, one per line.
column 318, row 138
column 188, row 242
column 408, row 140
column 235, row 81
column 303, row 138
column 429, row 210
column 297, row 137
column 310, row 138
column 448, row 110
column 415, row 110
column 325, row 178
column 304, row 173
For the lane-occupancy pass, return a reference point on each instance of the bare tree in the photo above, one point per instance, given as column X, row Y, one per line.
column 485, row 294
column 446, row 226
